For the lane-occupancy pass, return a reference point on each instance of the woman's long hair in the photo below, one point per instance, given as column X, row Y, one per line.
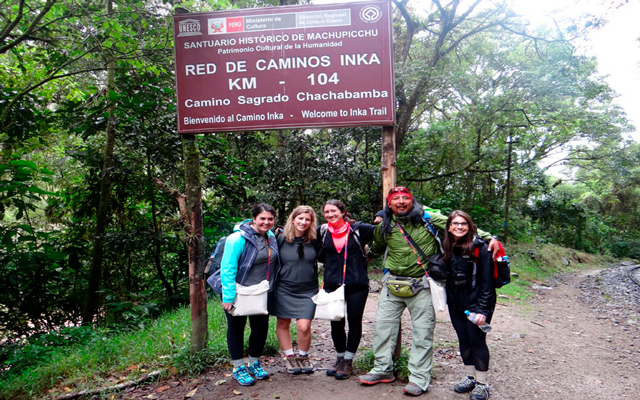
column 466, row 242
column 289, row 230
column 340, row 205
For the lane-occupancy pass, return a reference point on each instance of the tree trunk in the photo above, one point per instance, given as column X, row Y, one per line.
column 197, row 294
column 157, row 247
column 102, row 216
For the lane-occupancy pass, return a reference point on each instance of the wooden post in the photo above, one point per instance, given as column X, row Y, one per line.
column 197, row 293
column 388, row 165
column 388, row 160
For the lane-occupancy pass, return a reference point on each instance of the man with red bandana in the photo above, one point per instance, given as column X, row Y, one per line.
column 402, row 222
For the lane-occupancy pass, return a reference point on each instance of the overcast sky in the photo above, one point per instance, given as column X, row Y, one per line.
column 615, row 45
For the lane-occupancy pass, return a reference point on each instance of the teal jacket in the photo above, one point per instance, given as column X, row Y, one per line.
column 401, row 261
column 239, row 253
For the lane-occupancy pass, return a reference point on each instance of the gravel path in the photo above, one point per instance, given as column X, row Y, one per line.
column 577, row 338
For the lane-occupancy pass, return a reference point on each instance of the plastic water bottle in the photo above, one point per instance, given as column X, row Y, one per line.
column 471, row 316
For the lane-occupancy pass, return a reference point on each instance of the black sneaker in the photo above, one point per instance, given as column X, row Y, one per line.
column 480, row 392
column 332, row 370
column 465, row 385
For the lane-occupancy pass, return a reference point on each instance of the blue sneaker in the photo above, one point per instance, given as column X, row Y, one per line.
column 241, row 375
column 257, row 371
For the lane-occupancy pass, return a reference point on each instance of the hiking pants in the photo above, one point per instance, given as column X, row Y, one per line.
column 356, row 298
column 423, row 321
column 257, row 338
column 473, row 341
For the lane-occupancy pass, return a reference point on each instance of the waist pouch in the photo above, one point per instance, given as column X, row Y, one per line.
column 404, row 286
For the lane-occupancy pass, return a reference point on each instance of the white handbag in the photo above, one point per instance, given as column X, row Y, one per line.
column 330, row 306
column 438, row 294
column 251, row 300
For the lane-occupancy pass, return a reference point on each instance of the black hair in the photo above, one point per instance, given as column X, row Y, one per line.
column 262, row 207
column 340, row 205
column 414, row 216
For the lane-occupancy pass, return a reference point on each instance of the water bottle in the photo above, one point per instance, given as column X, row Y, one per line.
column 471, row 316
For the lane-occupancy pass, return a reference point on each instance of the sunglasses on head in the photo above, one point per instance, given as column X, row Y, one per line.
column 399, row 189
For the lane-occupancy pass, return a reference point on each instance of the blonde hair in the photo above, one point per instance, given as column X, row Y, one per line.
column 289, row 230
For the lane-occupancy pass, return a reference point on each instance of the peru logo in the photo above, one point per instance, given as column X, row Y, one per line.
column 217, row 26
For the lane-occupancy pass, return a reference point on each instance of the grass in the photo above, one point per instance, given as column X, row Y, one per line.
column 107, row 360
column 364, row 363
column 536, row 263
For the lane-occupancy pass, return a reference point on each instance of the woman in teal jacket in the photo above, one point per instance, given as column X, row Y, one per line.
column 250, row 256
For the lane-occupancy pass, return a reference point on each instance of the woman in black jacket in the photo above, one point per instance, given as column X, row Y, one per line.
column 342, row 251
column 469, row 287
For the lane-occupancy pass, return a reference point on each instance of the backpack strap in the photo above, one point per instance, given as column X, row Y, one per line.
column 323, row 233
column 355, row 228
column 426, row 218
column 474, row 277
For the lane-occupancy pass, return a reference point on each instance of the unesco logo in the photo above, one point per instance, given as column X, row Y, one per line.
column 189, row 27
column 370, row 14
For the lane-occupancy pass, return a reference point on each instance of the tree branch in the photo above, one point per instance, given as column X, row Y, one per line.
column 27, row 33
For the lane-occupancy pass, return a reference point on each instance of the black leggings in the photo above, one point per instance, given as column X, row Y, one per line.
column 257, row 338
column 356, row 299
column 473, row 341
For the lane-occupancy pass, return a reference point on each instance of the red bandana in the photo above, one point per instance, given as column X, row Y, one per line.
column 398, row 191
column 339, row 236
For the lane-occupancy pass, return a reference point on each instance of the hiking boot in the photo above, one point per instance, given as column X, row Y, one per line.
column 374, row 379
column 465, row 385
column 292, row 365
column 332, row 370
column 241, row 375
column 413, row 389
column 257, row 371
column 345, row 370
column 480, row 392
column 306, row 367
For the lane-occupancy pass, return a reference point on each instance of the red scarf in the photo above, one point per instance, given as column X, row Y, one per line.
column 339, row 236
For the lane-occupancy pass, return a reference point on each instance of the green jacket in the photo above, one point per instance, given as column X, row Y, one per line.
column 401, row 260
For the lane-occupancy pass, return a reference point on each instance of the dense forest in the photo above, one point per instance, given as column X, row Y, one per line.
column 88, row 126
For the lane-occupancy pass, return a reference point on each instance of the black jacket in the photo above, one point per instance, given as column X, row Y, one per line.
column 470, row 281
column 356, row 262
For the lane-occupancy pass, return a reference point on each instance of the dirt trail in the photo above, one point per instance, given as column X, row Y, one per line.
column 556, row 347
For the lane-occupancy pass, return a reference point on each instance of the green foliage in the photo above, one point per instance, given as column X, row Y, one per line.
column 461, row 105
column 37, row 349
column 85, row 356
column 364, row 363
